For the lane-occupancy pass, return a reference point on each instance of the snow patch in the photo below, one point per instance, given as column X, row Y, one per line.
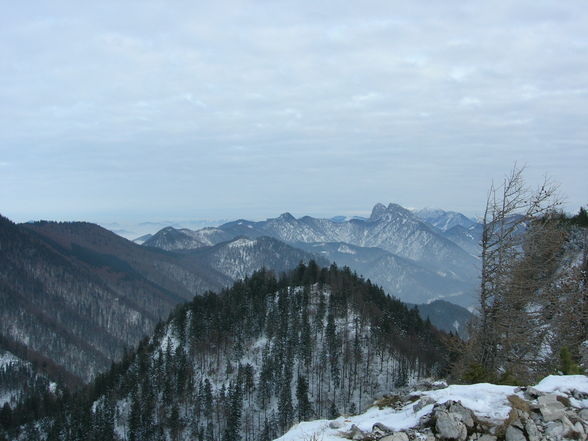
column 242, row 243
column 345, row 250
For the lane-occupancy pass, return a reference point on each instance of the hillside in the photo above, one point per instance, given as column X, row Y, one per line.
column 78, row 294
column 249, row 362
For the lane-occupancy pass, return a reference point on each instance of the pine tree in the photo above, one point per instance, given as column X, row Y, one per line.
column 304, row 407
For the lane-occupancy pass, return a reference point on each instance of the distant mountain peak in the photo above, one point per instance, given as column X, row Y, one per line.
column 381, row 212
column 378, row 210
column 287, row 217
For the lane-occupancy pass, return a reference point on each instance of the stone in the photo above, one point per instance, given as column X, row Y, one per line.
column 465, row 415
column 398, row 436
column 381, row 428
column 487, row 437
column 533, row 393
column 583, row 414
column 550, row 408
column 336, row 424
column 356, row 433
column 514, row 434
column 533, row 433
column 578, row 395
column 567, row 424
column 554, row 430
column 449, row 427
column 518, row 424
column 424, row 401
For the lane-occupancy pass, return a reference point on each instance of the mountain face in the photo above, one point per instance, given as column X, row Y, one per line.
column 444, row 220
column 78, row 294
column 251, row 361
column 403, row 277
column 417, row 262
column 171, row 239
column 446, row 316
column 468, row 238
column 240, row 257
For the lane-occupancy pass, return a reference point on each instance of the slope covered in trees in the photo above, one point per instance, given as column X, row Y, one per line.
column 77, row 294
column 249, row 362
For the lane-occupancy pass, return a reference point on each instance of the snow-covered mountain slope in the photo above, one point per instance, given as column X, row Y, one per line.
column 141, row 240
column 249, row 362
column 554, row 409
column 446, row 316
column 21, row 380
column 400, row 277
column 171, row 239
column 444, row 220
column 240, row 257
column 390, row 228
column 467, row 238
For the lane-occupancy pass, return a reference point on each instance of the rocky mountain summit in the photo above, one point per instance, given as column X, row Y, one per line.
column 555, row 409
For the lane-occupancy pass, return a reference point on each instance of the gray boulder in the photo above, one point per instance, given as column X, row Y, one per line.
column 514, row 434
column 465, row 415
column 449, row 427
column 398, row 436
column 356, row 433
column 551, row 409
column 424, row 401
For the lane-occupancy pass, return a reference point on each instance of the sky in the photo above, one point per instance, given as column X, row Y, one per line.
column 146, row 110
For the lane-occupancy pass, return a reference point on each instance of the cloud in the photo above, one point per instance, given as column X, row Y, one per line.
column 400, row 93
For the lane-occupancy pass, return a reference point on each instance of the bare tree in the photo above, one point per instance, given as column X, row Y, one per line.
column 510, row 209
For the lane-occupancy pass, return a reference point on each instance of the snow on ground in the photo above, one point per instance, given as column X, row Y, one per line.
column 563, row 383
column 554, row 384
column 485, row 399
column 6, row 358
column 488, row 401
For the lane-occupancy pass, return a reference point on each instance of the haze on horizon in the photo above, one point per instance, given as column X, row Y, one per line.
column 136, row 111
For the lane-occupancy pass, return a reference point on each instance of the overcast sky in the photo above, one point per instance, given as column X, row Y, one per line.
column 146, row 110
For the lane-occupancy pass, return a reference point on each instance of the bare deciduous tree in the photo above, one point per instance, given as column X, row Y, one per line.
column 511, row 209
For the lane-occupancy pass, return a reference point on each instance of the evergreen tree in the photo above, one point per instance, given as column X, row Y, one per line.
column 304, row 407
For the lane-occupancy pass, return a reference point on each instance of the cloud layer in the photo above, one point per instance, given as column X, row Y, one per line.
column 151, row 109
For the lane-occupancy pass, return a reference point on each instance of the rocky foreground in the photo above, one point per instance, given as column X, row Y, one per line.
column 555, row 409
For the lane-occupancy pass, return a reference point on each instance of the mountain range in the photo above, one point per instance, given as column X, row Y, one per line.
column 415, row 256
column 79, row 294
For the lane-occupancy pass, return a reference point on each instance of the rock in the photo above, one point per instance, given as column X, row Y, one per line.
column 465, row 415
column 551, row 409
column 518, row 424
column 336, row 424
column 533, row 393
column 487, row 437
column 379, row 430
column 398, row 436
column 579, row 395
column 449, row 427
column 567, row 424
column 583, row 414
column 424, row 401
column 356, row 433
column 514, row 434
column 554, row 430
column 533, row 433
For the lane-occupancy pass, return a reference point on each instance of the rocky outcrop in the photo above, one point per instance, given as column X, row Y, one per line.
column 533, row 416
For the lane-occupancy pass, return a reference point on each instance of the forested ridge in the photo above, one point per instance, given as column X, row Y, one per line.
column 249, row 362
